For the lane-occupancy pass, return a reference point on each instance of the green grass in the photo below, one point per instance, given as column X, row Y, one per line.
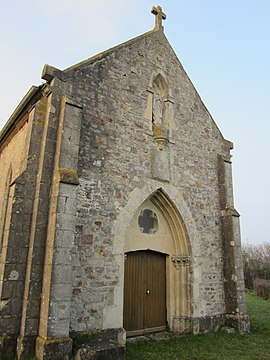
column 218, row 345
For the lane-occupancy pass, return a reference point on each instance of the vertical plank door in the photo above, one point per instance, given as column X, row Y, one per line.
column 144, row 292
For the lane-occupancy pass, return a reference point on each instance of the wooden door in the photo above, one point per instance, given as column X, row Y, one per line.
column 144, row 292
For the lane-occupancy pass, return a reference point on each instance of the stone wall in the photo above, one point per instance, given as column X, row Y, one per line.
column 21, row 255
column 115, row 158
column 13, row 160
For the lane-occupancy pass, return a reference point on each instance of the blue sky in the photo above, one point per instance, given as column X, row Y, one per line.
column 223, row 45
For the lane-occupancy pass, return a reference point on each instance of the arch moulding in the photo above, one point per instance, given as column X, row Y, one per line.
column 179, row 264
column 137, row 197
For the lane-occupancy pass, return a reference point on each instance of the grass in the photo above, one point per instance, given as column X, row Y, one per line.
column 218, row 345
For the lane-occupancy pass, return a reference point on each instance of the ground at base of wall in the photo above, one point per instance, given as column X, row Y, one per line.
column 159, row 336
column 100, row 350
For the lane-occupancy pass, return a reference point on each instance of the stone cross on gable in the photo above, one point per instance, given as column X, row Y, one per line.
column 157, row 11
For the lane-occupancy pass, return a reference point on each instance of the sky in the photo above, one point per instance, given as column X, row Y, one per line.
column 224, row 47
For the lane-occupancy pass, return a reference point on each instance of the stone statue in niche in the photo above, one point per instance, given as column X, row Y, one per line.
column 158, row 106
column 161, row 154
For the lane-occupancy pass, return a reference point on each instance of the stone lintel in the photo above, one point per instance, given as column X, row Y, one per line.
column 49, row 72
column 54, row 349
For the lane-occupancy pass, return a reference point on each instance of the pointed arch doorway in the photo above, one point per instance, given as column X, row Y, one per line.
column 157, row 284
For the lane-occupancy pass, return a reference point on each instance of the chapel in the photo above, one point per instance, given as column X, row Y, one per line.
column 117, row 216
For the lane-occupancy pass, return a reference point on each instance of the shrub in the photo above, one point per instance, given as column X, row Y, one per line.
column 256, row 259
column 262, row 288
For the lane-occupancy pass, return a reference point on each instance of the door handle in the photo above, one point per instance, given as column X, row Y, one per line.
column 147, row 292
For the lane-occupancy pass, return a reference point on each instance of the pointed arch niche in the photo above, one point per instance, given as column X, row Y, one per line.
column 159, row 109
column 157, row 226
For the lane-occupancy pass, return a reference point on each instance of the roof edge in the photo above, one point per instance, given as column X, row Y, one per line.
column 31, row 93
column 110, row 50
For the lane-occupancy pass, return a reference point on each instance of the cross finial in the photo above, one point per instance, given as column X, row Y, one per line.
column 157, row 11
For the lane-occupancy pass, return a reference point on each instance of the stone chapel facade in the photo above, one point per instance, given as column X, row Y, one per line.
column 116, row 206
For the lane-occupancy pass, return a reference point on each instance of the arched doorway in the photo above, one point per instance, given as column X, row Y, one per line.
column 156, row 244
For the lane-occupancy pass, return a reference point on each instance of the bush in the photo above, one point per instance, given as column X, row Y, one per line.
column 256, row 260
column 262, row 288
